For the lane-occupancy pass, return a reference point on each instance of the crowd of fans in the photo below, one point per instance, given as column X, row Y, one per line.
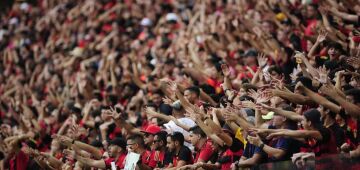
column 186, row 84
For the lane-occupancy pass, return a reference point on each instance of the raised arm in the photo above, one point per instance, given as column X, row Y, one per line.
column 319, row 99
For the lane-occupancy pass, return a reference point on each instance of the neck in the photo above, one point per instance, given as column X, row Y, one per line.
column 201, row 143
column 140, row 150
column 328, row 121
column 178, row 115
column 177, row 149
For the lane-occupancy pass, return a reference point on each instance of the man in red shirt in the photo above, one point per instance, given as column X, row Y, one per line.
column 202, row 145
column 136, row 144
column 149, row 134
column 159, row 157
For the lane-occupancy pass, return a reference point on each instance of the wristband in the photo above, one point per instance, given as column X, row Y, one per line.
column 73, row 141
column 262, row 146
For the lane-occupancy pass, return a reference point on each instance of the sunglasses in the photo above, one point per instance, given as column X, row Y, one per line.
column 156, row 141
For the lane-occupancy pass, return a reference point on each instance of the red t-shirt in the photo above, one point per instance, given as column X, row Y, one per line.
column 231, row 154
column 205, row 152
column 19, row 161
column 119, row 163
column 145, row 157
column 154, row 161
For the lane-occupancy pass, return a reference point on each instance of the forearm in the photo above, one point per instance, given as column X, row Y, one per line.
column 313, row 49
column 88, row 148
column 209, row 166
column 295, row 98
column 207, row 98
column 90, row 162
column 275, row 152
column 288, row 114
column 321, row 100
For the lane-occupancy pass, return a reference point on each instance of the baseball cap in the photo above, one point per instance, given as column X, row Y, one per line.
column 152, row 129
column 176, row 105
column 146, row 22
column 118, row 142
column 268, row 116
column 171, row 17
column 251, row 53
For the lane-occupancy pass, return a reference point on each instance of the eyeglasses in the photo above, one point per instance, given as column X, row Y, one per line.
column 147, row 134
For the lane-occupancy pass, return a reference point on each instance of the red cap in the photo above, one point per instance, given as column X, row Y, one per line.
column 152, row 129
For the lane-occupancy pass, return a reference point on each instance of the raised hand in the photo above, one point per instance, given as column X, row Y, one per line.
column 299, row 86
column 354, row 61
column 322, row 36
column 167, row 100
column 328, row 90
column 262, row 60
column 225, row 69
column 323, row 75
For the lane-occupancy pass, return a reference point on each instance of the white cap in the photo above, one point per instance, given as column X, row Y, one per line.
column 24, row 6
column 171, row 17
column 146, row 22
column 77, row 52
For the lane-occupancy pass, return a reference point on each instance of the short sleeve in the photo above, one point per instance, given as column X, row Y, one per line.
column 108, row 162
column 283, row 144
column 184, row 154
column 206, row 153
column 168, row 158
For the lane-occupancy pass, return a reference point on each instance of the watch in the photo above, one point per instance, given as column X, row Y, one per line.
column 262, row 146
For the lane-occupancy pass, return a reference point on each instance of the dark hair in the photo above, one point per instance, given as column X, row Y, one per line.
column 194, row 89
column 208, row 89
column 138, row 139
column 197, row 130
column 276, row 69
column 307, row 82
column 177, row 136
column 335, row 45
column 314, row 116
column 162, row 136
column 159, row 92
column 355, row 93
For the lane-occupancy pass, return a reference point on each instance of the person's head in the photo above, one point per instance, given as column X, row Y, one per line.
column 326, row 113
column 250, row 58
column 135, row 143
column 196, row 133
column 278, row 121
column 311, row 12
column 275, row 72
column 157, row 97
column 353, row 96
column 192, row 94
column 312, row 119
column 149, row 134
column 334, row 50
column 175, row 141
column 160, row 140
column 116, row 146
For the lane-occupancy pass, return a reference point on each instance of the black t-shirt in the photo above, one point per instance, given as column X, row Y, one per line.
column 338, row 133
column 168, row 158
column 184, row 155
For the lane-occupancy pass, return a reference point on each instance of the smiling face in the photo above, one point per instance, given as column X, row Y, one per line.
column 148, row 138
